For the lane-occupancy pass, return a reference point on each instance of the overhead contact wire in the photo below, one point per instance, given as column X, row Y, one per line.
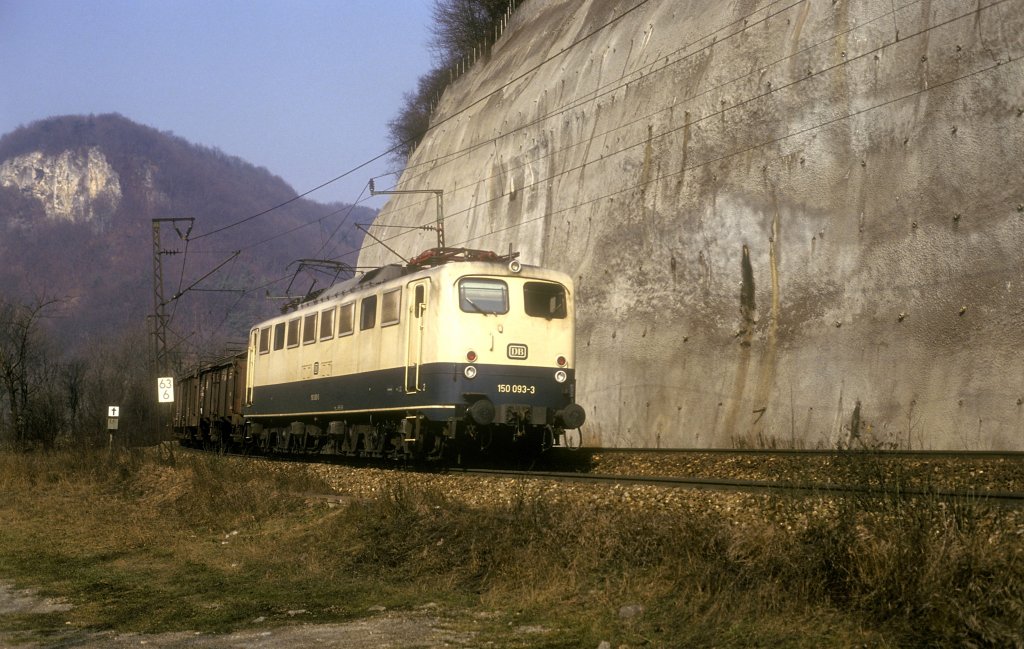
column 736, row 106
column 450, row 117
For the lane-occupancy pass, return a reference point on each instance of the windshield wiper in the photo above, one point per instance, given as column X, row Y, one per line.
column 474, row 305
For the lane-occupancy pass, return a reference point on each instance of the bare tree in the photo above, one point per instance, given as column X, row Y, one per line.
column 413, row 120
column 117, row 375
column 25, row 371
column 72, row 384
column 461, row 25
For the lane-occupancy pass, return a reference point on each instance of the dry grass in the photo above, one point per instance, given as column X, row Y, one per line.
column 148, row 544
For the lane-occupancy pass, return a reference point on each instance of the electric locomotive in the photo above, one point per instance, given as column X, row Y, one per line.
column 457, row 353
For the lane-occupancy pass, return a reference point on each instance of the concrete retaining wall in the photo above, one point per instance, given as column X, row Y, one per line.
column 791, row 223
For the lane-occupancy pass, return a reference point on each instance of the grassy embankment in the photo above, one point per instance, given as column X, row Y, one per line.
column 213, row 544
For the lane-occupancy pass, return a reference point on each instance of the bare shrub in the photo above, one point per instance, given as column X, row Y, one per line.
column 27, row 374
column 935, row 569
column 921, row 571
column 413, row 121
column 460, row 27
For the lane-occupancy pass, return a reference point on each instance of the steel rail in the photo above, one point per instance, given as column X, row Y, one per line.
column 922, row 454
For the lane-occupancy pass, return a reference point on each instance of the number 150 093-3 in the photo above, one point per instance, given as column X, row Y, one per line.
column 516, row 388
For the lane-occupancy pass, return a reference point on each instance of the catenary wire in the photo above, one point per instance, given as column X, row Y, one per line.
column 590, row 98
column 483, row 98
column 733, row 107
column 700, row 94
column 450, row 117
column 738, row 105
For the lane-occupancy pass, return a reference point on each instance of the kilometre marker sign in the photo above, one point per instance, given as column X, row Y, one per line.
column 165, row 389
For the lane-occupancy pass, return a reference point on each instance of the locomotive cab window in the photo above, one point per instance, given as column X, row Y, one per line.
column 265, row 340
column 368, row 313
column 544, row 300
column 480, row 295
column 346, row 319
column 389, row 307
column 309, row 329
column 278, row 336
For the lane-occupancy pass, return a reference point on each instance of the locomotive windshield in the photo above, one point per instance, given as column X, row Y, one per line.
column 487, row 296
column 544, row 300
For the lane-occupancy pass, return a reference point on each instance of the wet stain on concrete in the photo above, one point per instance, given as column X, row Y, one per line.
column 748, row 316
column 748, row 303
column 767, row 369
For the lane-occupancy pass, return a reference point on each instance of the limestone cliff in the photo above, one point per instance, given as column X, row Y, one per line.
column 793, row 223
column 76, row 186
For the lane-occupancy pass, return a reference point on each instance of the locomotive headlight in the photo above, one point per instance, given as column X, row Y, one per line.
column 470, row 372
column 561, row 376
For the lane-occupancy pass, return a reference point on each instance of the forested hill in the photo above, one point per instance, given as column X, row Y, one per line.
column 77, row 198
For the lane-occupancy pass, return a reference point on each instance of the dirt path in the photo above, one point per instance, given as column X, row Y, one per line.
column 423, row 629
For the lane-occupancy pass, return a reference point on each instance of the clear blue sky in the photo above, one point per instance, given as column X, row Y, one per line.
column 304, row 88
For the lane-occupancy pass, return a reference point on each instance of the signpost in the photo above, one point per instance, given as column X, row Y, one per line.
column 113, row 412
column 165, row 394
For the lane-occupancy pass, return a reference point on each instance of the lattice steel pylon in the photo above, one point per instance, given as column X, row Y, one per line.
column 160, row 364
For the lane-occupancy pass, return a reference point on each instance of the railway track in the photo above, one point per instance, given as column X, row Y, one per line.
column 1004, row 498
column 807, row 452
column 948, row 475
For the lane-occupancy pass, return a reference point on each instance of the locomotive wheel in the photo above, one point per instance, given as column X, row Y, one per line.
column 424, row 446
column 346, row 442
column 467, row 444
column 373, row 443
column 437, row 447
column 284, row 442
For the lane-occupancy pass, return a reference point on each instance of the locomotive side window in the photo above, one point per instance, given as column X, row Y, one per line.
column 327, row 324
column 265, row 340
column 309, row 329
column 389, row 307
column 544, row 300
column 487, row 296
column 346, row 319
column 278, row 336
column 293, row 332
column 368, row 313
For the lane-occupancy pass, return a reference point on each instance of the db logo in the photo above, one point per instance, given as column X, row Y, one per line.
column 517, row 352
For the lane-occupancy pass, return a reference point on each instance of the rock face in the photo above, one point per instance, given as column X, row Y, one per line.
column 790, row 224
column 76, row 186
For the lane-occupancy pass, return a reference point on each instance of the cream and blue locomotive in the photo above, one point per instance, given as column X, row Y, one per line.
column 457, row 353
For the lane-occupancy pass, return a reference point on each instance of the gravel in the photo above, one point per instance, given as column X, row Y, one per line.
column 741, row 508
column 970, row 472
